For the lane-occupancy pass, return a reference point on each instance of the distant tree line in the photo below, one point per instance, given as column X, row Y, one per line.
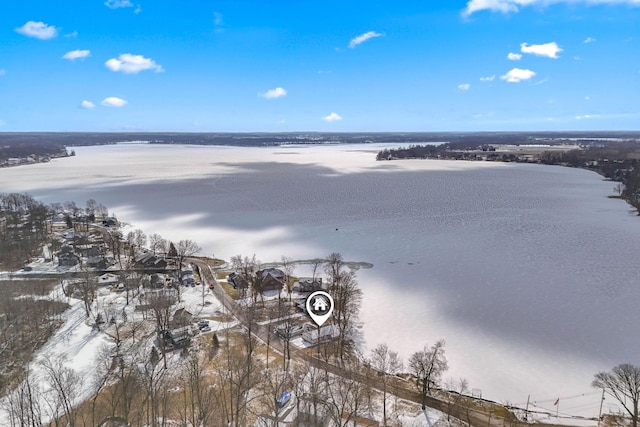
column 22, row 144
column 31, row 153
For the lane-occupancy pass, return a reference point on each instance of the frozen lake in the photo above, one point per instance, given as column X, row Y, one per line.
column 527, row 271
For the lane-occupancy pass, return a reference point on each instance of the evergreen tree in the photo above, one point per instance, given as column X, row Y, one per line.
column 215, row 344
column 155, row 357
column 172, row 250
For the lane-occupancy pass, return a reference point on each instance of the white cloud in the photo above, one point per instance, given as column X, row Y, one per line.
column 38, row 30
column 117, row 4
column 132, row 64
column 274, row 93
column 507, row 6
column 333, row 117
column 550, row 50
column 589, row 40
column 514, row 56
column 488, row 78
column 217, row 19
column 587, row 116
column 76, row 54
column 138, row 9
column 72, row 35
column 113, row 101
column 483, row 115
column 516, row 75
column 3, row 72
column 89, row 105
column 2, row 122
column 464, row 86
column 363, row 38
column 586, row 98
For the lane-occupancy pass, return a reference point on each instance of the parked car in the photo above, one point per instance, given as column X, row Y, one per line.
column 203, row 323
column 283, row 400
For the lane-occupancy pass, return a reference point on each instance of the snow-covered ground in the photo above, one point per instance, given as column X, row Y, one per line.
column 80, row 346
column 524, row 270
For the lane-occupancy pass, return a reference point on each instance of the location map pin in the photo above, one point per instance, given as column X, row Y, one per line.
column 319, row 307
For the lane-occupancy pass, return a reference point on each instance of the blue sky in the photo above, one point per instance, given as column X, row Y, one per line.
column 239, row 65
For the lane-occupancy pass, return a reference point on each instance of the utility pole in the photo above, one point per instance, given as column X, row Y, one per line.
column 600, row 413
column 526, row 411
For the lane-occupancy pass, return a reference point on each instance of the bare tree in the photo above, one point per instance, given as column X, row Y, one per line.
column 238, row 372
column 157, row 244
column 286, row 312
column 160, row 305
column 274, row 383
column 185, row 249
column 387, row 363
column 64, row 384
column 131, row 282
column 155, row 380
column 124, row 394
column 102, row 375
column 198, row 396
column 113, row 238
column 287, row 269
column 247, row 267
column 315, row 266
column 623, row 383
column 136, row 239
column 91, row 207
column 102, row 211
column 347, row 299
column 455, row 391
column 427, row 366
column 334, row 264
column 87, row 288
column 347, row 399
column 22, row 405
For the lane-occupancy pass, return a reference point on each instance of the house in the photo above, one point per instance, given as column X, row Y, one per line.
column 186, row 277
column 96, row 258
column 309, row 284
column 270, row 279
column 181, row 317
column 107, row 279
column 314, row 335
column 66, row 257
column 109, row 221
column 238, row 281
column 157, row 281
column 75, row 236
column 151, row 296
column 149, row 260
column 179, row 337
column 46, row 254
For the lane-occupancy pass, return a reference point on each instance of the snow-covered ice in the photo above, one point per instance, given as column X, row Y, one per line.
column 524, row 270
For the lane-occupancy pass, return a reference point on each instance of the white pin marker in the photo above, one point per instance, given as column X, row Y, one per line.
column 319, row 307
